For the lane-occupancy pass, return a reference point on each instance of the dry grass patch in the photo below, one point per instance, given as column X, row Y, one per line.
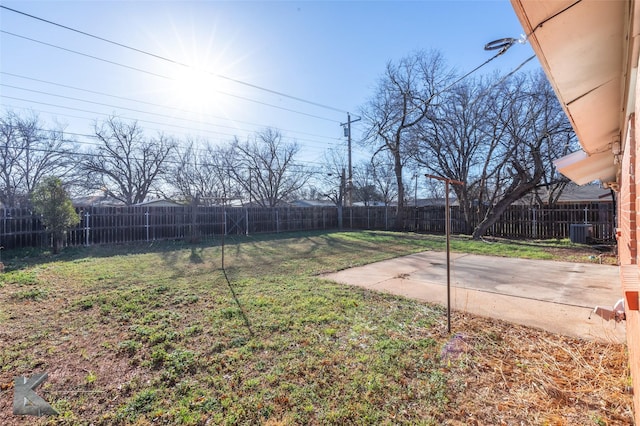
column 509, row 374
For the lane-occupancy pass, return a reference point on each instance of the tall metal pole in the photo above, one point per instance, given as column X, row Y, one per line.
column 415, row 205
column 350, row 181
column 447, row 231
column 447, row 228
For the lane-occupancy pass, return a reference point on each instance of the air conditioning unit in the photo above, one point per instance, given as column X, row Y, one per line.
column 580, row 233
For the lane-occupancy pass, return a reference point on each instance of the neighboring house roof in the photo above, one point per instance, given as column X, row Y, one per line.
column 572, row 193
column 160, row 203
column 95, row 201
column 313, row 203
column 369, row 204
column 585, row 194
column 588, row 50
column 434, row 202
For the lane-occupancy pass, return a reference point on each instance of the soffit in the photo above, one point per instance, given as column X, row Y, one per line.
column 583, row 47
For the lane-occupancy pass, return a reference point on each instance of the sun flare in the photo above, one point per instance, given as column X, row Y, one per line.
column 196, row 88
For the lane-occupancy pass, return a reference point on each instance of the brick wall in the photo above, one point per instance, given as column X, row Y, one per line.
column 628, row 211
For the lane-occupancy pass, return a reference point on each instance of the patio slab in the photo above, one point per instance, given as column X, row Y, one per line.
column 554, row 296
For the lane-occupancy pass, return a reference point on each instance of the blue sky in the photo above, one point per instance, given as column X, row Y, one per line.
column 330, row 53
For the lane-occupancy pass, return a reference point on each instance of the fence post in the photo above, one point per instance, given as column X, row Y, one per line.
column 86, row 227
column 225, row 222
column 246, row 220
column 277, row 222
column 386, row 217
column 146, row 219
column 535, row 222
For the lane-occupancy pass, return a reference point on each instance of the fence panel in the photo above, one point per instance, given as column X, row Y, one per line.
column 111, row 225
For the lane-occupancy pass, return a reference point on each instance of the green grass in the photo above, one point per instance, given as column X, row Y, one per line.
column 157, row 333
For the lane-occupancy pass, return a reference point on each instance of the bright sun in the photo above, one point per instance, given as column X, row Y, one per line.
column 196, row 88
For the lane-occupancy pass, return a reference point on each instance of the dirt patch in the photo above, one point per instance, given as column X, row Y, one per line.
column 605, row 255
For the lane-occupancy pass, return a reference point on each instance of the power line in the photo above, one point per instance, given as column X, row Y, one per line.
column 177, row 126
column 82, row 54
column 173, row 61
column 155, row 105
column 124, row 108
column 492, row 46
column 107, row 115
column 164, row 76
column 299, row 164
column 104, row 114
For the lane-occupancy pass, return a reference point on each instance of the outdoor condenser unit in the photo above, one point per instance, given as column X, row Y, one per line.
column 580, row 232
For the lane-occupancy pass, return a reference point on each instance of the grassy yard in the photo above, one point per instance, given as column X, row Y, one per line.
column 161, row 334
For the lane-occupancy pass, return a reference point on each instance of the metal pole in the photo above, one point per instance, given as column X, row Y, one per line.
column 448, row 232
column 447, row 227
column 86, row 232
column 415, row 204
column 146, row 217
column 350, row 181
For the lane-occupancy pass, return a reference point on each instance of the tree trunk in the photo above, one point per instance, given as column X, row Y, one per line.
column 493, row 214
column 58, row 242
column 400, row 213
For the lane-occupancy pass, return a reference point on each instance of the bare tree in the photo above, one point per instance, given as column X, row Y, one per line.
column 201, row 173
column 266, row 168
column 553, row 183
column 456, row 142
column 28, row 153
column 384, row 179
column 333, row 176
column 406, row 93
column 499, row 137
column 365, row 188
column 126, row 165
column 536, row 131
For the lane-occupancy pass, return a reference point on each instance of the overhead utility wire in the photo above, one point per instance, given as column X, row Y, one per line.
column 83, row 54
column 134, row 110
column 173, row 61
column 158, row 105
column 299, row 165
column 104, row 114
column 505, row 43
column 164, row 76
column 426, row 102
column 223, row 134
column 142, row 121
column 502, row 45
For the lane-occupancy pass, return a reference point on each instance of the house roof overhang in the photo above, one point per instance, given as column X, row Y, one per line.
column 589, row 51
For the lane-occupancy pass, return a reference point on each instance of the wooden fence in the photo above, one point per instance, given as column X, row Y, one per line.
column 111, row 225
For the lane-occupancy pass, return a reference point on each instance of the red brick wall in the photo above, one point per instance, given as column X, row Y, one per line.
column 628, row 210
column 627, row 203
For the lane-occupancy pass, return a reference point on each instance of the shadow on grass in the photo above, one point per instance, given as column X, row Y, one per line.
column 21, row 258
column 196, row 255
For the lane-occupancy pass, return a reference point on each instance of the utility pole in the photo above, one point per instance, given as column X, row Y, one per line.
column 347, row 133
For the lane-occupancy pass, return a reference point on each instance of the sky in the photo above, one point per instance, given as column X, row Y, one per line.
column 214, row 70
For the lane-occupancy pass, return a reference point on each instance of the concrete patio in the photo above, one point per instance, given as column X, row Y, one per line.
column 555, row 296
